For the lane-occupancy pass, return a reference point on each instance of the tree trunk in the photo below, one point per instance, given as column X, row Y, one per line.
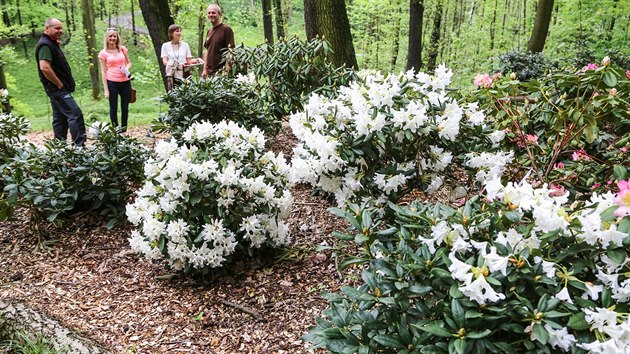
column 133, row 23
column 333, row 25
column 541, row 26
column 280, row 25
column 267, row 21
column 493, row 24
column 414, row 52
column 434, row 46
column 157, row 17
column 74, row 23
column 5, row 14
column 3, row 80
column 66, row 10
column 201, row 30
column 310, row 19
column 396, row 34
column 90, row 43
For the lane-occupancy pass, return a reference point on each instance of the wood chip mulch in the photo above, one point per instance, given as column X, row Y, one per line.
column 85, row 276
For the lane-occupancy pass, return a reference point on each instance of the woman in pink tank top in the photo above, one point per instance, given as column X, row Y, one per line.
column 115, row 67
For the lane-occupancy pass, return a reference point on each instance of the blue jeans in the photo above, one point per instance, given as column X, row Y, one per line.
column 122, row 89
column 67, row 115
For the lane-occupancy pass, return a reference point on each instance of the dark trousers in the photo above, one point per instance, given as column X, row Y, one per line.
column 122, row 89
column 67, row 115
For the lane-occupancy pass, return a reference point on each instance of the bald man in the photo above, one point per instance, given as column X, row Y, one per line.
column 56, row 76
column 219, row 37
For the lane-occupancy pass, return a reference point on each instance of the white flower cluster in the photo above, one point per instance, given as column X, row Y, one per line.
column 4, row 92
column 409, row 113
column 616, row 326
column 545, row 210
column 200, row 200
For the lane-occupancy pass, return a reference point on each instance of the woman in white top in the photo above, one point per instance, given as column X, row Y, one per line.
column 175, row 54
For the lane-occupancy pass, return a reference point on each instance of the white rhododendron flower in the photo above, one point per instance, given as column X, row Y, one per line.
column 185, row 210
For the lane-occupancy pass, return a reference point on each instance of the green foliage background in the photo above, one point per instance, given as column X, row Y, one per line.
column 473, row 34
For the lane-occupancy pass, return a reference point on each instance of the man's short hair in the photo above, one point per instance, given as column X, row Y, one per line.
column 218, row 8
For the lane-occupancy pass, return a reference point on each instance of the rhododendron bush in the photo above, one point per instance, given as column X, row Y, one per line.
column 569, row 128
column 216, row 195
column 520, row 271
column 384, row 135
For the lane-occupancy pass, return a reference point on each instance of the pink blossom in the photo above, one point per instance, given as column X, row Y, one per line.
column 591, row 66
column 623, row 199
column 610, row 181
column 557, row 190
column 624, row 149
column 559, row 165
column 596, row 185
column 483, row 80
column 580, row 155
column 628, row 74
column 496, row 76
column 531, row 139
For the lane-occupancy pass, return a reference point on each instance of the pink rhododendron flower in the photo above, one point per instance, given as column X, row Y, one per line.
column 496, row 76
column 580, row 155
column 628, row 74
column 531, row 139
column 624, row 149
column 591, row 66
column 623, row 199
column 559, row 165
column 557, row 190
column 596, row 185
column 483, row 80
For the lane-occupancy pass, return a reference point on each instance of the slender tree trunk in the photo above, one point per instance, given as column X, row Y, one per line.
column 434, row 46
column 267, row 21
column 201, row 31
column 133, row 23
column 310, row 19
column 65, row 8
column 157, row 16
column 333, row 25
column 396, row 34
column 541, row 26
column 19, row 16
column 90, row 42
column 493, row 24
column 73, row 22
column 608, row 33
column 5, row 14
column 280, row 25
column 3, row 79
column 414, row 51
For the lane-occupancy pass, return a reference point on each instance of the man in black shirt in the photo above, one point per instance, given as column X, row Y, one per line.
column 56, row 76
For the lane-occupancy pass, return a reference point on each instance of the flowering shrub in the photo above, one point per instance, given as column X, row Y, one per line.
column 218, row 194
column 215, row 99
column 58, row 178
column 287, row 71
column 518, row 272
column 383, row 136
column 570, row 128
column 5, row 104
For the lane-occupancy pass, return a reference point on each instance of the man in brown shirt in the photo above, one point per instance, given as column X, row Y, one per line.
column 219, row 37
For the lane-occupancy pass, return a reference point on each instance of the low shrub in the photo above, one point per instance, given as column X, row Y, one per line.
column 518, row 271
column 58, row 178
column 13, row 128
column 526, row 65
column 214, row 99
column 218, row 196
